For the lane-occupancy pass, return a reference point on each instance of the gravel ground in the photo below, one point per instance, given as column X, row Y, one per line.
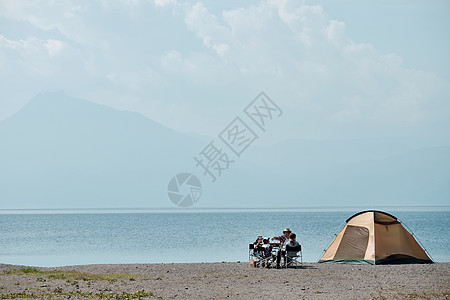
column 227, row 280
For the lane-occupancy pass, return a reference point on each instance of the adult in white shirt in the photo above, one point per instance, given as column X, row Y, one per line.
column 292, row 244
column 292, row 248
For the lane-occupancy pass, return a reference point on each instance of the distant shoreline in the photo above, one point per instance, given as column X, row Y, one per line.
column 219, row 210
column 228, row 280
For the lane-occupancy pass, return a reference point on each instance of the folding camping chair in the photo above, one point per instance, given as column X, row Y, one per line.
column 257, row 258
column 293, row 256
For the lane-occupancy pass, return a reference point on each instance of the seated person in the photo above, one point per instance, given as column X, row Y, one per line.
column 283, row 240
column 262, row 246
column 258, row 245
column 292, row 247
column 267, row 247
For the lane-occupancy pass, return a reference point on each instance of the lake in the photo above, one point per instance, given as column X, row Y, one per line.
column 70, row 237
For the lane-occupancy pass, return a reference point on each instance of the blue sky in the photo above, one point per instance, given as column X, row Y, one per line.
column 340, row 69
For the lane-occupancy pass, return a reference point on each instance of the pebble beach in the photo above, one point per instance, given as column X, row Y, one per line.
column 226, row 280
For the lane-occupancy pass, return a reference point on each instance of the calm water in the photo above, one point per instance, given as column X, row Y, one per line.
column 53, row 239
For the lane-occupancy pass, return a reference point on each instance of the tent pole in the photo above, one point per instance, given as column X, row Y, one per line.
column 332, row 238
column 418, row 241
column 374, row 242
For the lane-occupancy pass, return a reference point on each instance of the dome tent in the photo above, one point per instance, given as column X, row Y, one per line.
column 374, row 237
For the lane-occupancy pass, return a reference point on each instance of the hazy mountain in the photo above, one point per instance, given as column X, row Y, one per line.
column 62, row 152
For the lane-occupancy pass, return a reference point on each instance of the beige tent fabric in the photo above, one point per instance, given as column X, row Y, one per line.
column 331, row 250
column 353, row 244
column 381, row 218
column 394, row 239
column 365, row 220
column 373, row 236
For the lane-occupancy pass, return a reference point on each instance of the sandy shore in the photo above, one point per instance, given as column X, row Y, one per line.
column 227, row 280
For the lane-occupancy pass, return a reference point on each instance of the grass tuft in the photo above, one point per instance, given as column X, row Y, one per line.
column 79, row 294
column 68, row 275
column 18, row 295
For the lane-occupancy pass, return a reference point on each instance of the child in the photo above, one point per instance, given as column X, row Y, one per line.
column 258, row 245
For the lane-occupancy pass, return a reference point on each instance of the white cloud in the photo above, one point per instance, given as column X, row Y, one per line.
column 135, row 50
column 163, row 2
column 54, row 47
column 197, row 68
column 336, row 32
column 208, row 28
column 221, row 49
column 20, row 45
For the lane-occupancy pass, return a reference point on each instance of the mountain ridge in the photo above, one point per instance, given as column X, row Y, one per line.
column 64, row 152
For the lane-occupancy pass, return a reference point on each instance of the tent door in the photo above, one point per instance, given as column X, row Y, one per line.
column 353, row 244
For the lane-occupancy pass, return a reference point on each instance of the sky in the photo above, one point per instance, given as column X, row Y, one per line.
column 341, row 69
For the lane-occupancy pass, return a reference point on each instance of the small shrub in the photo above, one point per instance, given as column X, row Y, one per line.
column 69, row 275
